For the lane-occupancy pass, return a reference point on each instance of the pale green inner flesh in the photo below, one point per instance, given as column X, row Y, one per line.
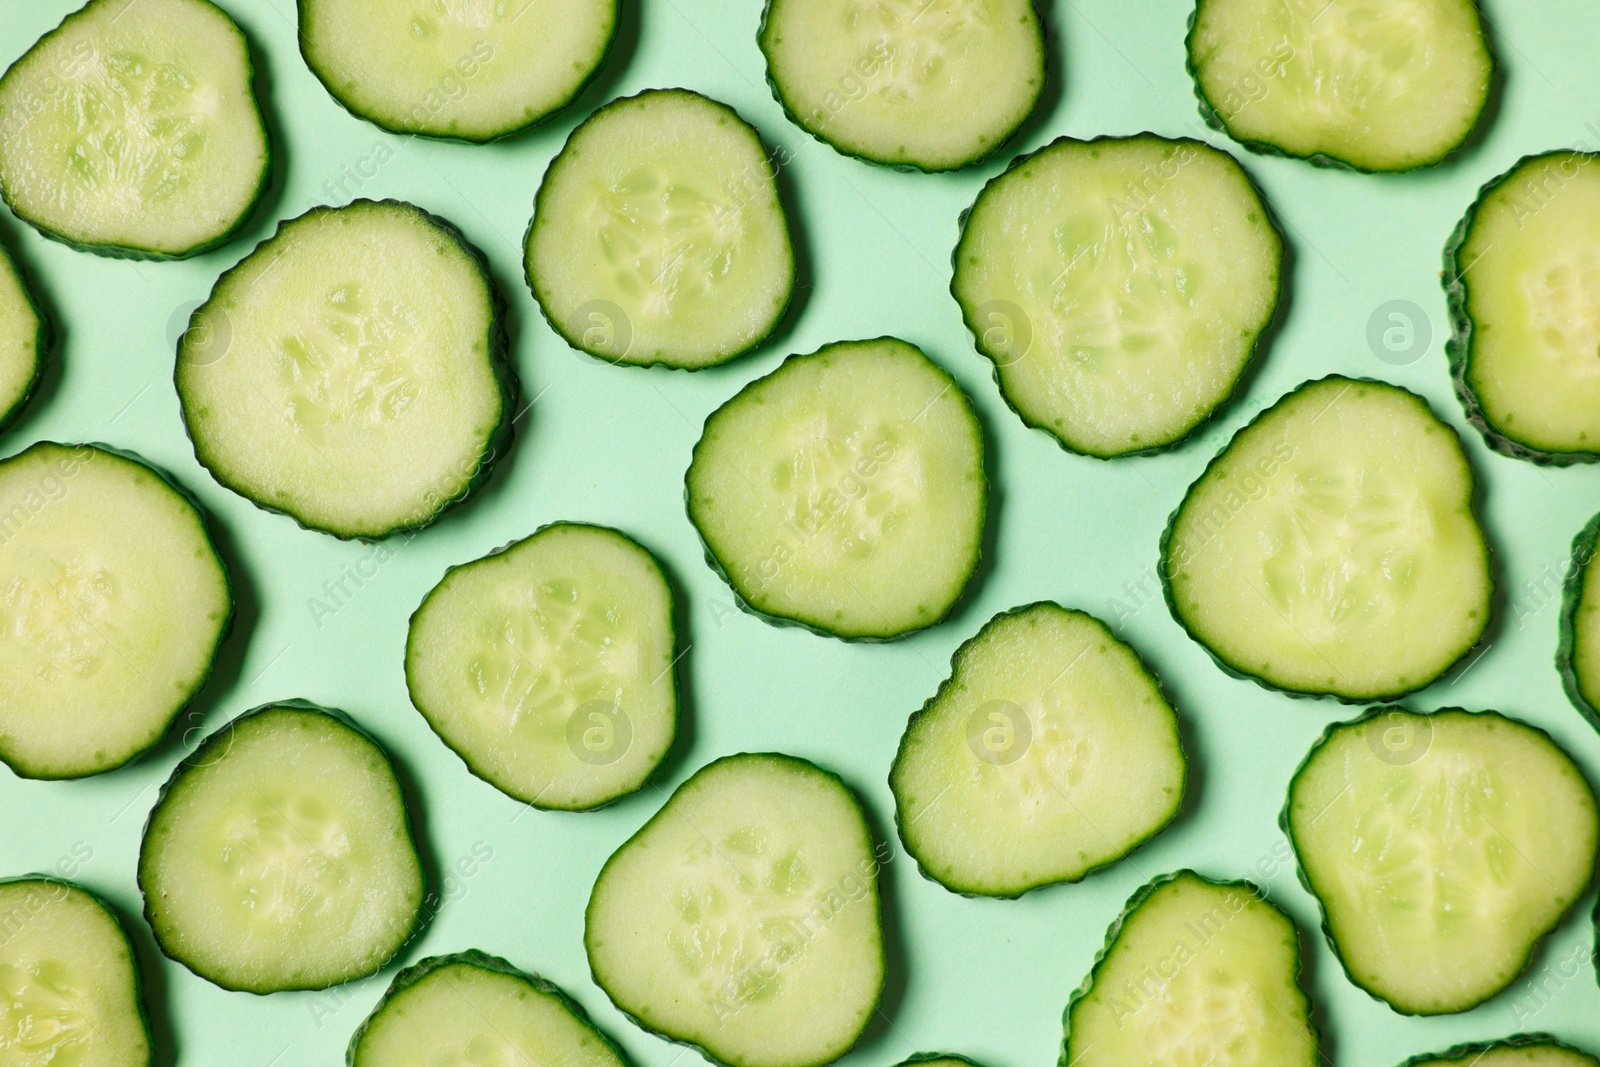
column 1050, row 752
column 342, row 372
column 466, row 1016
column 845, row 490
column 744, row 916
column 111, row 604
column 282, row 858
column 1530, row 1056
column 1199, row 974
column 462, row 68
column 934, row 83
column 1332, row 547
column 19, row 338
column 1532, row 267
column 549, row 666
column 67, row 983
column 1441, row 848
column 1380, row 84
column 659, row 235
column 1586, row 634
column 1119, row 286
column 134, row 125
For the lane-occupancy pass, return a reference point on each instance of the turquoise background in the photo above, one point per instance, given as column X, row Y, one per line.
column 609, row 445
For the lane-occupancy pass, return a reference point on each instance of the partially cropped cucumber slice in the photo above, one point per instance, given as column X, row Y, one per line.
column 937, row 1059
column 132, row 129
column 472, row 70
column 69, row 984
column 1120, row 286
column 1331, row 548
column 1048, row 752
column 471, row 1008
column 1442, row 848
column 930, row 84
column 1524, row 1050
column 845, row 491
column 658, row 236
column 1194, row 972
column 547, row 666
column 280, row 856
column 25, row 337
column 1376, row 85
column 1578, row 655
column 113, row 602
column 743, row 917
column 351, row 371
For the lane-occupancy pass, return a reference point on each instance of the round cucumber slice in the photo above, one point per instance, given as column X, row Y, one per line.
column 1373, row 85
column 113, row 603
column 1578, row 655
column 1194, row 972
column 1120, row 286
column 927, row 84
column 1441, row 848
column 279, row 855
column 547, row 666
column 1331, row 549
column 470, row 70
column 132, row 130
column 351, row 372
column 1049, row 752
column 1524, row 1050
column 69, row 984
column 845, row 491
column 25, row 338
column 473, row 1008
column 658, row 236
column 743, row 917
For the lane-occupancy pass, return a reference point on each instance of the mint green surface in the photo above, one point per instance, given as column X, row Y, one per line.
column 610, row 445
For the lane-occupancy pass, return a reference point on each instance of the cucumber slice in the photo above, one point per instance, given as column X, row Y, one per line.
column 1049, row 752
column 1331, row 549
column 925, row 84
column 938, row 1059
column 113, row 603
column 658, row 236
column 25, row 339
column 1373, row 85
column 132, row 130
column 1120, row 286
column 351, row 372
column 1442, row 848
column 69, row 985
column 470, row 70
column 547, row 666
column 473, row 1008
column 1578, row 655
column 1194, row 972
column 845, row 491
column 1524, row 1050
column 743, row 918
column 279, row 855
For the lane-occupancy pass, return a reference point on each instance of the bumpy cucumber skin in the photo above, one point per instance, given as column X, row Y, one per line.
column 1212, row 118
column 301, row 8
column 1135, row 902
column 1583, row 555
column 1256, row 345
column 131, row 251
column 1472, row 1051
column 499, row 357
column 1243, row 674
column 44, row 341
column 936, row 1057
column 1287, row 827
column 588, row 911
column 923, row 868
column 1041, row 76
column 484, row 962
column 672, row 625
column 189, row 762
column 538, row 207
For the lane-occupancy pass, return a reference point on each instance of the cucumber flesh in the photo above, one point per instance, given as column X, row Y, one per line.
column 1050, row 751
column 133, row 129
column 1529, row 1050
column 548, row 666
column 1578, row 657
column 1331, row 548
column 112, row 604
column 1120, row 286
column 24, row 338
column 280, row 856
column 845, row 491
column 1442, row 848
column 743, row 917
